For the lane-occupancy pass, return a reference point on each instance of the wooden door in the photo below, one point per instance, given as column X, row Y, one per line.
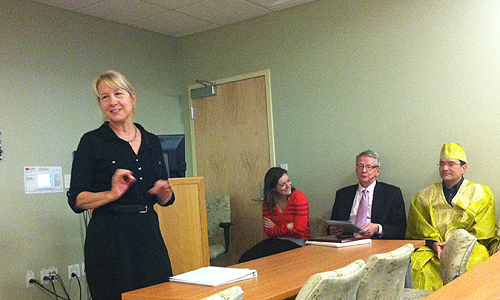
column 233, row 149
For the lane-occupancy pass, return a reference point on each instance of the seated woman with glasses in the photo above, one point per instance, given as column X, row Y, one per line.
column 285, row 217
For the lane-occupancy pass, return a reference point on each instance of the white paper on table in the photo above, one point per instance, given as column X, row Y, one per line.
column 214, row 276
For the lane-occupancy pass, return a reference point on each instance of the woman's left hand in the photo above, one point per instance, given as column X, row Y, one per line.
column 268, row 223
column 163, row 189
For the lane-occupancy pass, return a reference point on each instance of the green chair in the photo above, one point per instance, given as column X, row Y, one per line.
column 218, row 224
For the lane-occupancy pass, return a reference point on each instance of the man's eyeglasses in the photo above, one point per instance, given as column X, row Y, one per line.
column 449, row 164
column 368, row 167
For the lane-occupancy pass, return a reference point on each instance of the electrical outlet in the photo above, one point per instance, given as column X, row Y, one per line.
column 50, row 272
column 44, row 273
column 29, row 275
column 74, row 269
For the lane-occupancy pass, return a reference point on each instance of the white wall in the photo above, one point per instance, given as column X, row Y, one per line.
column 398, row 77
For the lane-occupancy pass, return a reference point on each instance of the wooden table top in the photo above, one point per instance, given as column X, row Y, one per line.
column 480, row 283
column 279, row 276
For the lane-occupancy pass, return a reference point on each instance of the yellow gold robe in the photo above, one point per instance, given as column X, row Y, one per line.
column 432, row 218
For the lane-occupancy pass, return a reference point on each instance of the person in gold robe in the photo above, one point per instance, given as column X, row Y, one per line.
column 438, row 210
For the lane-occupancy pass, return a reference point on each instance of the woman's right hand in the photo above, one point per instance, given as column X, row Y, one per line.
column 120, row 182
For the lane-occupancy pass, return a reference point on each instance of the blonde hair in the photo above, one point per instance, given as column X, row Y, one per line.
column 114, row 80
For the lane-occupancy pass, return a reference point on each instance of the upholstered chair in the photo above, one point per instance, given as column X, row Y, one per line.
column 232, row 293
column 384, row 278
column 414, row 294
column 319, row 226
column 218, row 222
column 455, row 255
column 338, row 284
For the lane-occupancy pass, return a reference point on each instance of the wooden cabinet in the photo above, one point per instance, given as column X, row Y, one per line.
column 184, row 225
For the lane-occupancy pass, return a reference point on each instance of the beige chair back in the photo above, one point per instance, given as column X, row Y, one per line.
column 232, row 293
column 384, row 278
column 455, row 255
column 338, row 284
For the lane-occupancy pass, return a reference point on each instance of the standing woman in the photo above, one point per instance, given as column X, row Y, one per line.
column 119, row 172
column 285, row 217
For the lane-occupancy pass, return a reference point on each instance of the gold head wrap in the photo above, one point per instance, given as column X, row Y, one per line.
column 454, row 151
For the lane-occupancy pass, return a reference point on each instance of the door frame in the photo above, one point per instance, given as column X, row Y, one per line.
column 270, row 129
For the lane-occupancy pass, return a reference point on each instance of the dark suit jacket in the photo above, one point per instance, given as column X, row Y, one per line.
column 388, row 209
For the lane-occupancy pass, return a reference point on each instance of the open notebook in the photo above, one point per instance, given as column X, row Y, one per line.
column 214, row 276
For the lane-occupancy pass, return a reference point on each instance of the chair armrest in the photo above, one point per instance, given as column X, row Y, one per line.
column 225, row 226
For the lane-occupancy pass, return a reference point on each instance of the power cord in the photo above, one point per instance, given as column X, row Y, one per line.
column 62, row 285
column 39, row 285
column 51, row 282
column 73, row 275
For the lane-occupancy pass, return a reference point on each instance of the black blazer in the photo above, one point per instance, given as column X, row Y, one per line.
column 388, row 209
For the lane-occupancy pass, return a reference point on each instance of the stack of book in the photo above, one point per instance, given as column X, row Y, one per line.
column 335, row 241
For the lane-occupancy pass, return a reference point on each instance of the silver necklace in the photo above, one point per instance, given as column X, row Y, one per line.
column 130, row 141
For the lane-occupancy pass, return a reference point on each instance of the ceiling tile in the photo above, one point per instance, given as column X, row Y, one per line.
column 171, row 22
column 175, row 17
column 224, row 12
column 122, row 11
column 173, row 3
column 70, row 5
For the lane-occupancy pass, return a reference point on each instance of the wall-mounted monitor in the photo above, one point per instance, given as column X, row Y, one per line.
column 174, row 153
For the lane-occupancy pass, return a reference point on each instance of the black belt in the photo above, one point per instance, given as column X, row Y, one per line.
column 125, row 209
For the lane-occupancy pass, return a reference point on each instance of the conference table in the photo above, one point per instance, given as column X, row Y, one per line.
column 279, row 276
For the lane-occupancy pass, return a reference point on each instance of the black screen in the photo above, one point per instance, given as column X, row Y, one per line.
column 174, row 153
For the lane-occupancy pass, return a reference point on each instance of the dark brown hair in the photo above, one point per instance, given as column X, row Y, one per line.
column 271, row 179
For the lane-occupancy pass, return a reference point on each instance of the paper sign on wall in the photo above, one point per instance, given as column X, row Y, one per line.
column 39, row 180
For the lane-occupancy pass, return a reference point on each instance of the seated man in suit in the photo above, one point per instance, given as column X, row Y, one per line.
column 438, row 210
column 377, row 208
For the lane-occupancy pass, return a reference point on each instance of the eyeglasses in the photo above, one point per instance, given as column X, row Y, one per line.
column 449, row 164
column 368, row 167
